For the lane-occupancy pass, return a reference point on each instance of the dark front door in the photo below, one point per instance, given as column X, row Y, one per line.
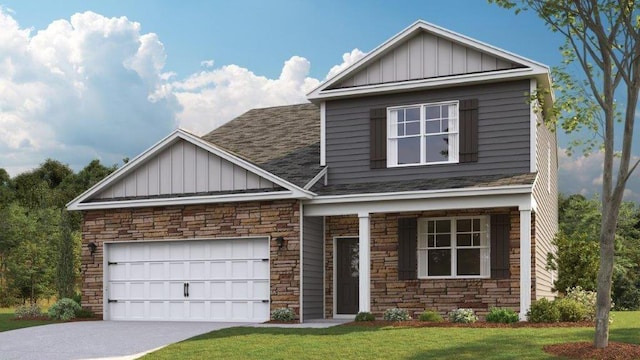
column 347, row 276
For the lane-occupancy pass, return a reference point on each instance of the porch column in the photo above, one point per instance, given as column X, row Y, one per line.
column 525, row 262
column 364, row 263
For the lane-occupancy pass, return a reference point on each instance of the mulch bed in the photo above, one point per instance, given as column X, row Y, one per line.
column 585, row 350
column 479, row 324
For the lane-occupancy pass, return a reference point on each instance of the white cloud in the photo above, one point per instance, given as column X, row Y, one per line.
column 347, row 60
column 583, row 175
column 96, row 87
column 80, row 89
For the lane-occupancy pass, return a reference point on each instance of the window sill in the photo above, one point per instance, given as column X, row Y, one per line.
column 479, row 277
column 425, row 164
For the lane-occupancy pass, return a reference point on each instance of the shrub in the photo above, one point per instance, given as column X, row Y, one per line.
column 64, row 309
column 365, row 316
column 464, row 316
column 283, row 314
column 433, row 316
column 27, row 312
column 505, row 316
column 570, row 310
column 396, row 314
column 543, row 311
column 586, row 298
column 85, row 314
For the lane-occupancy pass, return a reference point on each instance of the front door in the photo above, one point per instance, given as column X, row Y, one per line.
column 347, row 276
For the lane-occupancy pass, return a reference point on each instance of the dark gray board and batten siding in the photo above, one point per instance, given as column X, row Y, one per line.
column 504, row 125
column 312, row 268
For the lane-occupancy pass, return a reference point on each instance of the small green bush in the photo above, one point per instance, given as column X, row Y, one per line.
column 543, row 311
column 463, row 316
column 432, row 316
column 64, row 309
column 504, row 316
column 586, row 298
column 283, row 314
column 365, row 316
column 27, row 312
column 85, row 314
column 571, row 310
column 396, row 314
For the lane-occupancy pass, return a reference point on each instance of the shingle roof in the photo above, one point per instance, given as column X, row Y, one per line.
column 284, row 140
column 426, row 184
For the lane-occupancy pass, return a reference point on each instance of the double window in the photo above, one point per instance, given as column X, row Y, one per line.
column 423, row 134
column 454, row 247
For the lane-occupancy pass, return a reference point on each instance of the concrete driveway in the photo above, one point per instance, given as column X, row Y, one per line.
column 98, row 339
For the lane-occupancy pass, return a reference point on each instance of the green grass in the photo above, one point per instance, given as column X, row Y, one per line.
column 349, row 342
column 7, row 321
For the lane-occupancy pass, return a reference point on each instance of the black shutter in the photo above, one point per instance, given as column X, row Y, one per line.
column 468, row 130
column 407, row 248
column 378, row 133
column 500, row 228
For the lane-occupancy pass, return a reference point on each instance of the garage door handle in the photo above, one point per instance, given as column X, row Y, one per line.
column 184, row 290
column 187, row 289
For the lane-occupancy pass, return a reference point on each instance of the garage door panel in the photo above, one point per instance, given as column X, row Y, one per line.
column 218, row 270
column 227, row 280
column 176, row 271
column 260, row 290
column 260, row 270
column 197, row 270
column 156, row 271
column 137, row 271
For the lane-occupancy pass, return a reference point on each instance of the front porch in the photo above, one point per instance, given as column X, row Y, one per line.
column 373, row 237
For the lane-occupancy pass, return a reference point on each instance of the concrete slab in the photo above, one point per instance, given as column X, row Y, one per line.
column 99, row 339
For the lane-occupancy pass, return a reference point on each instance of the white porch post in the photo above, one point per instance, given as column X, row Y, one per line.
column 525, row 262
column 364, row 262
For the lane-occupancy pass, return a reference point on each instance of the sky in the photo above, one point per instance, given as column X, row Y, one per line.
column 81, row 80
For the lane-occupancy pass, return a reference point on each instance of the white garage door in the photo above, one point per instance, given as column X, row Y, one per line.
column 212, row 280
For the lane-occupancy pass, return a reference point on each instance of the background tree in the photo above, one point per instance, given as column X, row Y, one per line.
column 66, row 269
column 602, row 39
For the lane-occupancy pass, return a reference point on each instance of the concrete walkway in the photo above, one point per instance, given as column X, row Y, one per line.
column 112, row 340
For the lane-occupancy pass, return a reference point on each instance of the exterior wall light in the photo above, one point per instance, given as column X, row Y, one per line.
column 280, row 241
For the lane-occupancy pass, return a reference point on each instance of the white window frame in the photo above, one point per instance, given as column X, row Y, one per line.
column 485, row 248
column 454, row 134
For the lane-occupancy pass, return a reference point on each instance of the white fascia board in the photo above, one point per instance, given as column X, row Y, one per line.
column 421, row 25
column 186, row 200
column 323, row 133
column 429, row 83
column 195, row 140
column 533, row 132
column 316, row 178
column 424, row 194
column 520, row 200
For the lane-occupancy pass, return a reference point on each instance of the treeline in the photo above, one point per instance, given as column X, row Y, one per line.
column 39, row 239
column 577, row 260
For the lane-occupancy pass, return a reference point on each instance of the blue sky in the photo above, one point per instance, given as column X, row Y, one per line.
column 72, row 95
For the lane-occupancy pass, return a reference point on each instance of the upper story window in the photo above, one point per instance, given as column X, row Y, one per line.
column 423, row 134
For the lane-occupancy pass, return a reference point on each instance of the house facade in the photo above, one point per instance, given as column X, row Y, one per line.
column 421, row 177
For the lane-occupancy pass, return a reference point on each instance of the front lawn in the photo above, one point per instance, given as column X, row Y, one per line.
column 7, row 321
column 354, row 342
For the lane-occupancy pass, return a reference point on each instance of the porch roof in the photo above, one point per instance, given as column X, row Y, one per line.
column 426, row 184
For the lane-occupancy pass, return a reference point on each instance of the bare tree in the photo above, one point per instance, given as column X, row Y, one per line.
column 601, row 37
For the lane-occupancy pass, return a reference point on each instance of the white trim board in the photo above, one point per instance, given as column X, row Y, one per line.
column 79, row 203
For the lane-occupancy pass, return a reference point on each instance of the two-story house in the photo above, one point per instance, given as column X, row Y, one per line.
column 421, row 177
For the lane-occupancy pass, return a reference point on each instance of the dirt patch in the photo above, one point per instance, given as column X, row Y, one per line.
column 585, row 350
column 479, row 324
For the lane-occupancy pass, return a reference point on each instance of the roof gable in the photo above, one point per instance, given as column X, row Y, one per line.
column 182, row 168
column 425, row 55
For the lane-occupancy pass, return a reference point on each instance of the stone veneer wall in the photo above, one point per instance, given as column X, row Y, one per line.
column 442, row 295
column 270, row 218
